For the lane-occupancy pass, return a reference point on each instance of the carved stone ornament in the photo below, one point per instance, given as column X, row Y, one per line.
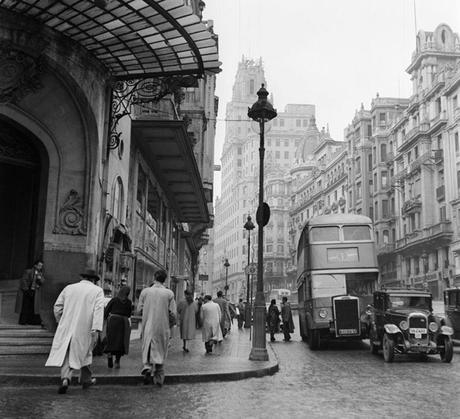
column 19, row 74
column 71, row 219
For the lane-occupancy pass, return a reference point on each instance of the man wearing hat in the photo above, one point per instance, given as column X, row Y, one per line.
column 79, row 311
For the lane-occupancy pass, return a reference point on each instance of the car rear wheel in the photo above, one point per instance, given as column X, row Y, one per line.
column 447, row 352
column 388, row 348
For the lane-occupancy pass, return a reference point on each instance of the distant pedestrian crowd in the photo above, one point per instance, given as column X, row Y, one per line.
column 82, row 314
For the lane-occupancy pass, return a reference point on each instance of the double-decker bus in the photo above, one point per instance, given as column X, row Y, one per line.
column 337, row 274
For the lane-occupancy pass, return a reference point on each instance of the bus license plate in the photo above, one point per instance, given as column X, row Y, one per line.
column 348, row 332
column 417, row 331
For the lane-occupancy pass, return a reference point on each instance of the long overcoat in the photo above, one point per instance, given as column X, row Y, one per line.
column 187, row 319
column 210, row 318
column 78, row 310
column 155, row 304
column 24, row 285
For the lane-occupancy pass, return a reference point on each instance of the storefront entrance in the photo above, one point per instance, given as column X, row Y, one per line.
column 21, row 210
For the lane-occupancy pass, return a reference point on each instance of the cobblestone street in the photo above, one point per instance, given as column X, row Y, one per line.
column 345, row 381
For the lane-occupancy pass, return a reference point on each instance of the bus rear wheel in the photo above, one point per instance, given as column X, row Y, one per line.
column 314, row 339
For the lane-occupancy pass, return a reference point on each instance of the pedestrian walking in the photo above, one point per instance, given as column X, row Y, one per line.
column 158, row 309
column 273, row 319
column 79, row 311
column 225, row 320
column 117, row 313
column 288, row 322
column 199, row 303
column 241, row 313
column 211, row 323
column 186, row 310
column 29, row 295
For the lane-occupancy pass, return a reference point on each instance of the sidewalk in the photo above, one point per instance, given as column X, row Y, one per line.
column 229, row 361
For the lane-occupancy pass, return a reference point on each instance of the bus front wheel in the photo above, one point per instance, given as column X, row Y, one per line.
column 314, row 339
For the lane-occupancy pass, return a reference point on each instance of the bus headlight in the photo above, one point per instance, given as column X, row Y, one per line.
column 322, row 313
column 433, row 326
column 404, row 325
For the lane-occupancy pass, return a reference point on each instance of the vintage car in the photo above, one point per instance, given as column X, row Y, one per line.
column 452, row 310
column 401, row 321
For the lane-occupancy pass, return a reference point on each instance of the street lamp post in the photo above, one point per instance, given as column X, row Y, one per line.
column 248, row 225
column 226, row 264
column 261, row 111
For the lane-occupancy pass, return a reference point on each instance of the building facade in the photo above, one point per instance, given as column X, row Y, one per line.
column 240, row 180
column 106, row 162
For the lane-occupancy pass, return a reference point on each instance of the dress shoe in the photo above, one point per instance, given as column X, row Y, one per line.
column 117, row 365
column 110, row 362
column 147, row 377
column 64, row 386
column 88, row 384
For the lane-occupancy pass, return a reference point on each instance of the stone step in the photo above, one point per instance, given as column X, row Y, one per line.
column 8, row 326
column 26, row 334
column 24, row 350
column 45, row 341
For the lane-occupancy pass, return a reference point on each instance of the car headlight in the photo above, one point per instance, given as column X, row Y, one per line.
column 433, row 326
column 322, row 313
column 404, row 325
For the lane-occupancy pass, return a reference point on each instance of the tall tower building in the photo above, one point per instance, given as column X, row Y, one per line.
column 240, row 179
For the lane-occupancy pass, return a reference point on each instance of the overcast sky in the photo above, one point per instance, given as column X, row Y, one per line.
column 335, row 54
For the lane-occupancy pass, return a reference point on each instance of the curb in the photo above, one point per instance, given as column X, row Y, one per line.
column 44, row 380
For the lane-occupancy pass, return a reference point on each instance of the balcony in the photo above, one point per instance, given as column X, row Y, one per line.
column 438, row 122
column 386, row 248
column 440, row 193
column 414, row 134
column 438, row 156
column 411, row 206
column 425, row 240
column 400, row 175
column 389, row 158
column 417, row 163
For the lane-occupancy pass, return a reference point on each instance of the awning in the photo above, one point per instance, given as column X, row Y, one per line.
column 133, row 38
column 167, row 148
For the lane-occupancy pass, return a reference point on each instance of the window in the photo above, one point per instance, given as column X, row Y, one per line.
column 442, row 213
column 117, row 200
column 324, row 234
column 369, row 162
column 269, row 248
column 456, row 142
column 376, row 210
column 277, row 154
column 281, row 122
column 305, row 123
column 386, row 236
column 240, row 150
column 385, row 212
column 454, row 102
column 359, row 191
column 383, row 152
column 353, row 233
column 239, row 163
column 251, row 86
column 286, row 143
column 277, row 143
column 358, row 165
column 384, row 178
column 382, row 118
column 286, row 154
column 297, row 123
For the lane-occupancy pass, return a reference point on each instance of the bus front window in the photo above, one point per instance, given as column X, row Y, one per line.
column 327, row 285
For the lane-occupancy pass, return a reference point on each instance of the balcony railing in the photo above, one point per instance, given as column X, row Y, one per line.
column 438, row 121
column 417, row 163
column 386, row 248
column 411, row 205
column 436, row 230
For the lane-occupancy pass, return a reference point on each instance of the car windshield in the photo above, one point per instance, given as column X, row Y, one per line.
column 410, row 301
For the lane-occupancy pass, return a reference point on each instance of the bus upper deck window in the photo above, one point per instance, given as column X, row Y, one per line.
column 324, row 234
column 353, row 233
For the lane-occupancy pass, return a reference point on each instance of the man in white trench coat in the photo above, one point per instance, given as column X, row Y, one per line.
column 79, row 311
column 158, row 309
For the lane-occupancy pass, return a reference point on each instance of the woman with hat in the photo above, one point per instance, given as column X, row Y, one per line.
column 117, row 314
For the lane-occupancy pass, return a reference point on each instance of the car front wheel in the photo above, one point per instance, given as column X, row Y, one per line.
column 447, row 352
column 388, row 348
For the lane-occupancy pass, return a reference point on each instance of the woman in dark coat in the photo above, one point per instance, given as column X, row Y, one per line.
column 273, row 319
column 117, row 312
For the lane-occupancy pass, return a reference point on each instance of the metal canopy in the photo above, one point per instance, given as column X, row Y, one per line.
column 133, row 38
column 168, row 151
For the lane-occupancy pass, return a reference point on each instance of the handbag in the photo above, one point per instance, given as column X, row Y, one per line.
column 172, row 319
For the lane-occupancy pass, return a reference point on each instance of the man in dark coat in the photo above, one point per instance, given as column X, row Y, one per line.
column 28, row 296
column 288, row 322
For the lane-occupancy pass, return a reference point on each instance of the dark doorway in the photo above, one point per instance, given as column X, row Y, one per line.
column 21, row 215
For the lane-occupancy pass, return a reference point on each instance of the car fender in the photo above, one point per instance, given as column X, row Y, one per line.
column 391, row 329
column 446, row 330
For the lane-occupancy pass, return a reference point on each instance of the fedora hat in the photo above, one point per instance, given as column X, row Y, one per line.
column 90, row 274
